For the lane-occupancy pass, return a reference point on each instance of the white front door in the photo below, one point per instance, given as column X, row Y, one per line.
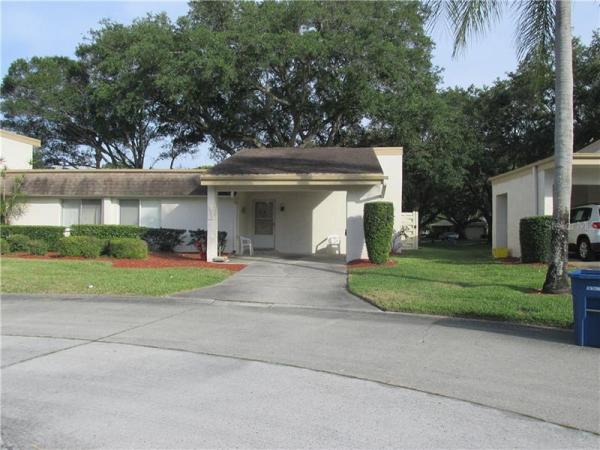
column 264, row 224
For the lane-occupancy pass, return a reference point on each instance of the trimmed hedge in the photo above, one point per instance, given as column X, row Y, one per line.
column 534, row 236
column 86, row 246
column 163, row 239
column 18, row 243
column 108, row 231
column 38, row 247
column 378, row 223
column 4, row 246
column 50, row 234
column 128, row 248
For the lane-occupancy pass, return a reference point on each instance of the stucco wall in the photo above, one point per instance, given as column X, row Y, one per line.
column 307, row 219
column 392, row 168
column 15, row 155
column 521, row 202
column 41, row 211
column 189, row 214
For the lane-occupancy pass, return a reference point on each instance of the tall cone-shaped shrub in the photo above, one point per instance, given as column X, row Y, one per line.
column 378, row 219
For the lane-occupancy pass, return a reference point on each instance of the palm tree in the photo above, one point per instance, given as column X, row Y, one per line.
column 541, row 25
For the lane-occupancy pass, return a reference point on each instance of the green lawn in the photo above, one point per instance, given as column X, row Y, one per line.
column 463, row 281
column 75, row 277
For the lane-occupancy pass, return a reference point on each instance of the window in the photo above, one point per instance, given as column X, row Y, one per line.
column 129, row 212
column 145, row 213
column 150, row 213
column 81, row 212
column 90, row 212
column 70, row 212
column 581, row 215
column 263, row 218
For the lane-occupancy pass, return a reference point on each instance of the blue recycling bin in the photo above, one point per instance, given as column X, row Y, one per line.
column 585, row 286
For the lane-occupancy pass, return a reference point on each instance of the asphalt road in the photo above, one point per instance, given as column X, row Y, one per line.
column 181, row 373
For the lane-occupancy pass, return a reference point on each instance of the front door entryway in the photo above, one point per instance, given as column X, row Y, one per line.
column 264, row 224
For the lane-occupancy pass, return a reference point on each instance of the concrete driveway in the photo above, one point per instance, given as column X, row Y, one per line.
column 318, row 282
column 162, row 373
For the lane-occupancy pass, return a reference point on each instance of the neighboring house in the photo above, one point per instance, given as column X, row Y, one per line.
column 473, row 232
column 17, row 150
column 527, row 191
column 286, row 199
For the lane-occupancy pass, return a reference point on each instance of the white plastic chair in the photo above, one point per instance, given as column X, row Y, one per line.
column 333, row 241
column 246, row 242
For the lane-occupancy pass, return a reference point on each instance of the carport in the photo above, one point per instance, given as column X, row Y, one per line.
column 291, row 200
column 527, row 191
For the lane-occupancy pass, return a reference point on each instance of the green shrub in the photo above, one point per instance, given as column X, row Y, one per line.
column 18, row 242
column 198, row 239
column 86, row 246
column 38, row 247
column 128, row 248
column 50, row 234
column 109, row 231
column 534, row 235
column 4, row 246
column 163, row 239
column 378, row 222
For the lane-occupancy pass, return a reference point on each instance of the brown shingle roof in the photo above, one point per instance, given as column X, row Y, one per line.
column 278, row 160
column 109, row 183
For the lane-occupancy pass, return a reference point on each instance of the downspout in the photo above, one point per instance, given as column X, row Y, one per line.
column 383, row 188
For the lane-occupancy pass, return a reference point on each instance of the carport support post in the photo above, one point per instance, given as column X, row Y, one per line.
column 212, row 223
column 355, row 235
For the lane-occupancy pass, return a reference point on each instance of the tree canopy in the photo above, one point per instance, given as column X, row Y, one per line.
column 245, row 74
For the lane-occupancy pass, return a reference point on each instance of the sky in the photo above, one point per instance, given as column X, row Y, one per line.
column 47, row 28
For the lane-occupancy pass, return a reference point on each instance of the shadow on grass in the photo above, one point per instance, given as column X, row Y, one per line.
column 461, row 284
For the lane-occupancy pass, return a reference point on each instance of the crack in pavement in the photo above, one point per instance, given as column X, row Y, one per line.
column 90, row 341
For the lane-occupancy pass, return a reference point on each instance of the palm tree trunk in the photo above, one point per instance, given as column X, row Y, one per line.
column 557, row 279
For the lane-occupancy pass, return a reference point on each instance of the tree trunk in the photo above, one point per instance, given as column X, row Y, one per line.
column 557, row 279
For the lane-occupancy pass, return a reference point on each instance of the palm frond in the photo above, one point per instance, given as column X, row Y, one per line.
column 470, row 18
column 535, row 27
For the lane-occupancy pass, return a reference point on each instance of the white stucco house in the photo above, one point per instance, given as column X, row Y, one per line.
column 289, row 200
column 16, row 151
column 527, row 191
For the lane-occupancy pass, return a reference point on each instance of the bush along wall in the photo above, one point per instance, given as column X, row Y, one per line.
column 534, row 236
column 163, row 239
column 86, row 246
column 109, row 231
column 378, row 220
column 128, row 248
column 49, row 234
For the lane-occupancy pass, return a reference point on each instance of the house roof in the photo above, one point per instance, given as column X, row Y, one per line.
column 587, row 157
column 297, row 160
column 20, row 138
column 594, row 147
column 109, row 183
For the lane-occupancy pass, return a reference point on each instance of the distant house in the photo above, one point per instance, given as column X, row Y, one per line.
column 527, row 191
column 16, row 151
column 473, row 231
column 290, row 200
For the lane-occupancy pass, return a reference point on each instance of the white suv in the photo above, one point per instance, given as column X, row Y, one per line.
column 584, row 231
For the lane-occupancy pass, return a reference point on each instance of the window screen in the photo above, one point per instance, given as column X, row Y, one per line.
column 150, row 213
column 70, row 212
column 263, row 218
column 129, row 212
column 90, row 212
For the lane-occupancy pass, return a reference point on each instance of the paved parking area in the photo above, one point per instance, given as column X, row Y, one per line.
column 165, row 372
column 302, row 281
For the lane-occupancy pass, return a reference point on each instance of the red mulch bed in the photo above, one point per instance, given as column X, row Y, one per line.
column 154, row 261
column 366, row 264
